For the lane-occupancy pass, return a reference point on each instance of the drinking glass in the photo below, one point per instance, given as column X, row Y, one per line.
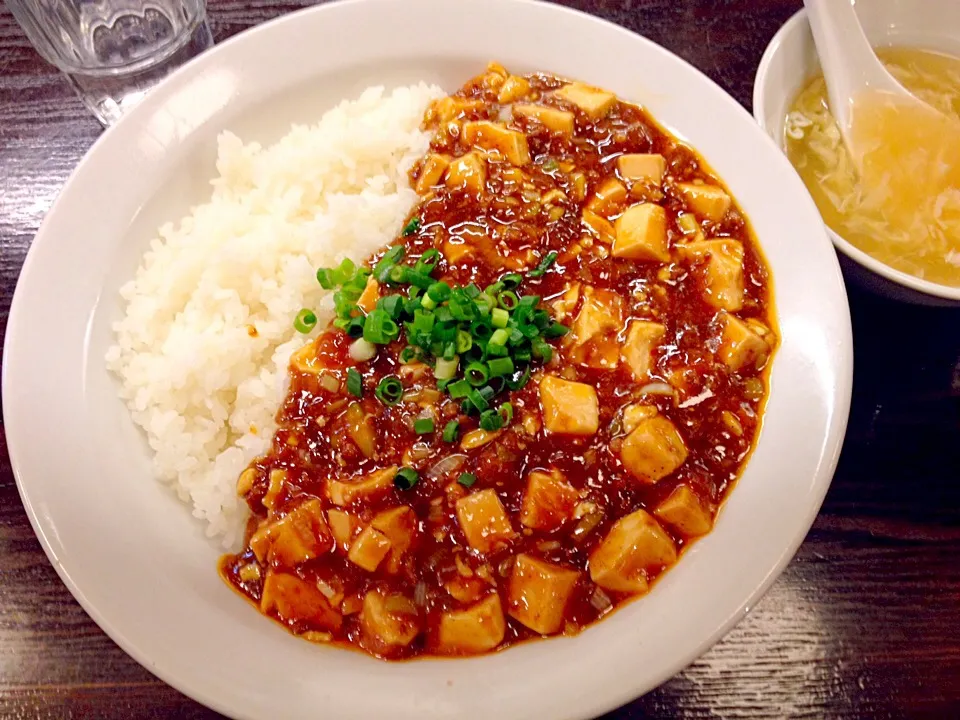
column 114, row 51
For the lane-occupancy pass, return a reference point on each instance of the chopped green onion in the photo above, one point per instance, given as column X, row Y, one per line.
column 464, row 341
column 428, row 302
column 500, row 318
column 305, row 321
column 384, row 268
column 411, row 227
column 446, row 369
column 544, row 265
column 354, row 383
column 497, row 350
column 408, row 355
column 520, row 382
column 477, row 400
column 392, row 305
column 507, row 300
column 506, row 413
column 467, row 479
column 405, row 478
column 499, row 337
column 555, row 330
column 494, row 288
column 380, row 328
column 490, row 420
column 542, row 350
column 427, row 261
column 476, row 374
column 500, row 366
column 481, row 330
column 460, row 389
column 439, row 291
column 511, row 281
column 450, row 431
column 354, row 326
column 325, row 279
column 423, row 426
column 389, row 390
column 485, row 303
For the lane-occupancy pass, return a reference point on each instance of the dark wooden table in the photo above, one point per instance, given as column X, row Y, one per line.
column 865, row 622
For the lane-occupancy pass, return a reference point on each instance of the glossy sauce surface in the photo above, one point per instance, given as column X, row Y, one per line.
column 509, row 224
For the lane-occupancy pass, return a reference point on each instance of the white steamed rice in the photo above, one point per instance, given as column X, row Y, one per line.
column 204, row 389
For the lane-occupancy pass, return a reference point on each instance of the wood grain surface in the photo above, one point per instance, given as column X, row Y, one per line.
column 864, row 623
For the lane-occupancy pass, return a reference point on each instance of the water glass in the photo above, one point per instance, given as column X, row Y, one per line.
column 114, row 51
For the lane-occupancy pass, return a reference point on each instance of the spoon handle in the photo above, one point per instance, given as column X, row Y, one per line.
column 849, row 64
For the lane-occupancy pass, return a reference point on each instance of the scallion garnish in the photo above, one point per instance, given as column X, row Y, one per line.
column 467, row 479
column 479, row 343
column 450, row 431
column 305, row 321
column 544, row 265
column 389, row 390
column 354, row 383
column 405, row 478
column 423, row 426
column 411, row 227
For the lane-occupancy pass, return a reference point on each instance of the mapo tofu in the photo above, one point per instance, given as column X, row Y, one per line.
column 528, row 406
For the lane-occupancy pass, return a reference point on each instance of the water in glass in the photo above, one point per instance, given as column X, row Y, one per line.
column 114, row 51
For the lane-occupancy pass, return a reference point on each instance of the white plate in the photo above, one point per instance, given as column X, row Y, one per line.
column 137, row 561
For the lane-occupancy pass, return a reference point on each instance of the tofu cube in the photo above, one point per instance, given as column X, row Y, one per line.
column 514, row 88
column 400, row 526
column 567, row 302
column 484, row 521
column 653, row 450
column 608, row 198
column 296, row 600
column 387, row 623
column 641, row 233
column 475, row 630
column 723, row 270
column 594, row 332
column 634, row 550
column 707, row 201
column 301, row 535
column 549, row 501
column 369, row 549
column 344, row 528
column 558, row 121
column 467, row 172
column 431, row 172
column 642, row 337
column 683, row 510
column 376, row 484
column 569, row 408
column 601, row 228
column 596, row 103
column 368, row 298
column 493, row 136
column 452, row 108
column 634, row 414
column 740, row 345
column 601, row 313
column 455, row 250
column 645, row 168
column 539, row 592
